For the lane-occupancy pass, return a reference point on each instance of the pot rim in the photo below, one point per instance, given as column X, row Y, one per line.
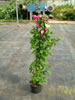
column 34, row 85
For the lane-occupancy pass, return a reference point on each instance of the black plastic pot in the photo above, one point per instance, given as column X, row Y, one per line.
column 35, row 89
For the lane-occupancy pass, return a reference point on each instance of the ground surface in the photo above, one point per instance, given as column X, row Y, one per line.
column 15, row 58
column 28, row 21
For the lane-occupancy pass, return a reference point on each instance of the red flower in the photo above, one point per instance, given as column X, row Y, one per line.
column 37, row 25
column 33, row 31
column 42, row 38
column 46, row 29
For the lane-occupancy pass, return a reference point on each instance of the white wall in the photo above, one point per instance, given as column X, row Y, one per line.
column 60, row 2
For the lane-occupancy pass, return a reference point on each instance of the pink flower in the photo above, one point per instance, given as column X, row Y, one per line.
column 47, row 17
column 42, row 20
column 48, row 20
column 40, row 16
column 46, row 29
column 34, row 16
column 42, row 32
column 37, row 25
column 36, row 20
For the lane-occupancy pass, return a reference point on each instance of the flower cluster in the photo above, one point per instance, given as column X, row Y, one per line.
column 41, row 42
column 43, row 18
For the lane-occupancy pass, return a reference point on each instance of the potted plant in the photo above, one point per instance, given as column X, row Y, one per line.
column 42, row 43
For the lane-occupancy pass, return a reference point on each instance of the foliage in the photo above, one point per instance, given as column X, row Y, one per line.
column 42, row 43
column 51, row 16
column 64, row 12
column 66, row 6
column 8, row 12
column 26, row 2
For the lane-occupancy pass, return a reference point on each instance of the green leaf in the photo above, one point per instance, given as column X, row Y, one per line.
column 41, row 51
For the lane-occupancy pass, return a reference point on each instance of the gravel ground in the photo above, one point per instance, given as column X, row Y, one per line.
column 15, row 58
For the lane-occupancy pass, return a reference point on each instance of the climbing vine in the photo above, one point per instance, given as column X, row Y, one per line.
column 42, row 43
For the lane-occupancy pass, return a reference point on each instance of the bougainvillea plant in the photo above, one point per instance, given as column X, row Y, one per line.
column 42, row 43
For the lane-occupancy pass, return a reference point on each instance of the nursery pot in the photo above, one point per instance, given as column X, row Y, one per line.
column 35, row 88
